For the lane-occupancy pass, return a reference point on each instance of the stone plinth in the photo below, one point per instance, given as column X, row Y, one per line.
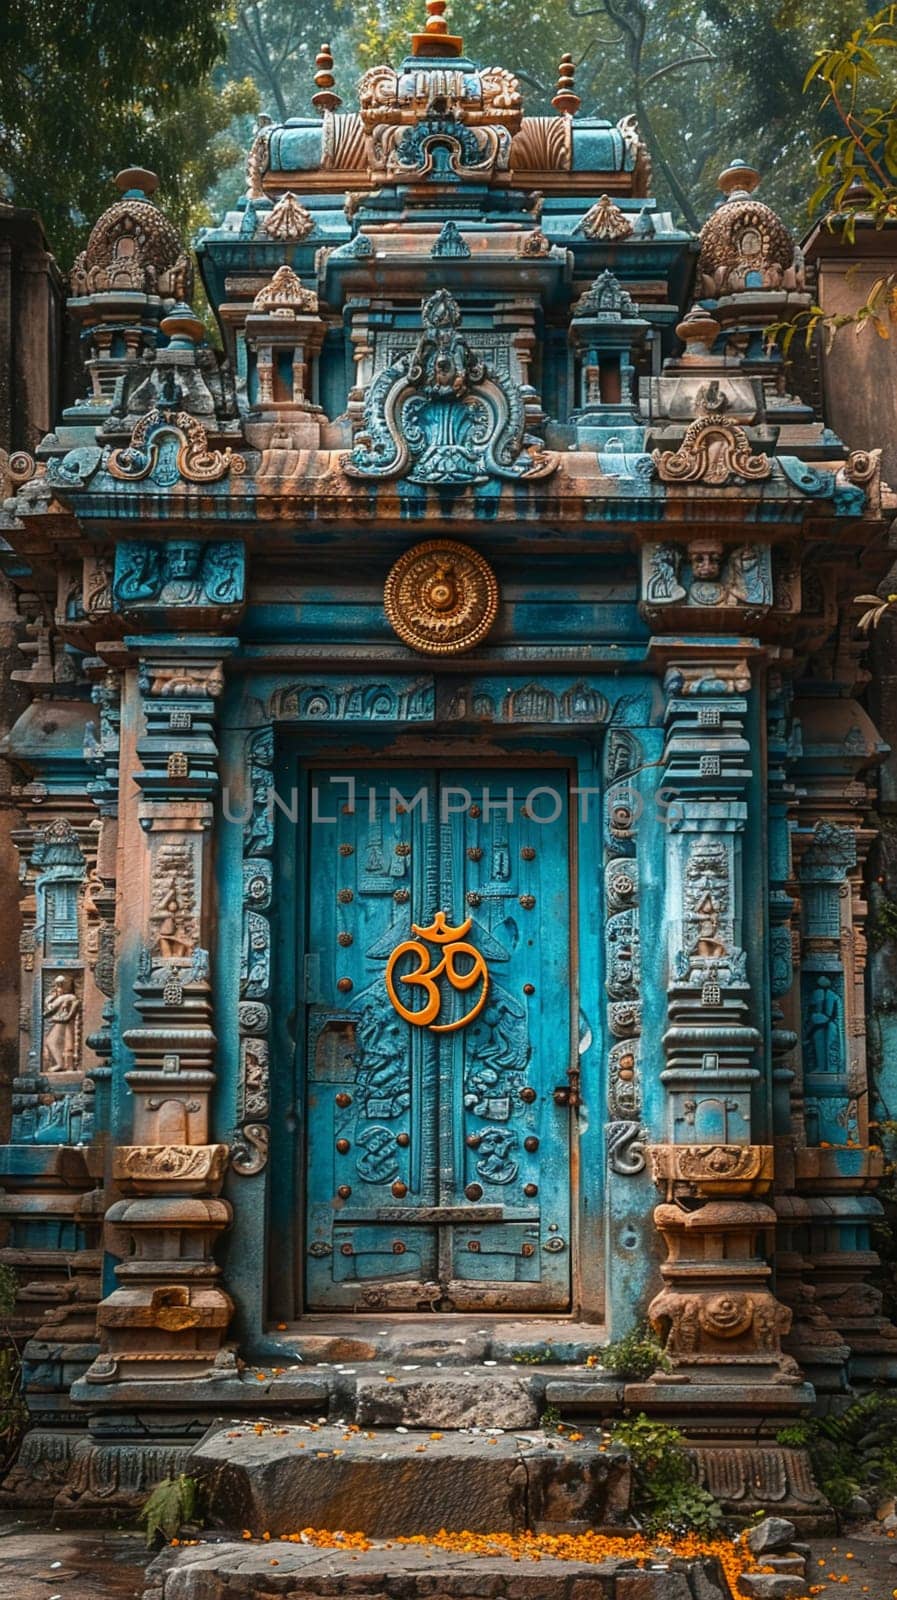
column 392, row 1484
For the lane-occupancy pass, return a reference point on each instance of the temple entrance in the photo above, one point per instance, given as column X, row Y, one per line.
column 438, row 1040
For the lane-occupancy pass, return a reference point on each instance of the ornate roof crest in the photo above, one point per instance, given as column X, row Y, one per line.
column 133, row 246
column 440, row 414
column 166, row 446
column 451, row 242
column 288, row 219
column 604, row 220
column 744, row 245
column 285, row 295
column 715, row 450
column 607, row 299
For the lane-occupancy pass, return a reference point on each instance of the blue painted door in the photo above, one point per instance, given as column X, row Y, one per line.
column 438, row 1002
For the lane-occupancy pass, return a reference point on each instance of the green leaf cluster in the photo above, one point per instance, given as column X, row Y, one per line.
column 668, row 1498
column 634, row 1357
column 854, row 1453
column 88, row 87
column 173, row 1503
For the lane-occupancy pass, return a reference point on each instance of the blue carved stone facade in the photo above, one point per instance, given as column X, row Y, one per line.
column 493, row 573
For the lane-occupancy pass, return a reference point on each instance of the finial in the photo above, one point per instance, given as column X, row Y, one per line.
column 436, row 39
column 182, row 327
column 325, row 99
column 566, row 101
column 136, row 181
column 738, row 180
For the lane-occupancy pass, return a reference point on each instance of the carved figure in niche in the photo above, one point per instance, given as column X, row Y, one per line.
column 706, row 560
column 707, row 901
column 62, row 1014
column 663, row 581
column 823, row 1028
column 174, row 903
column 747, row 583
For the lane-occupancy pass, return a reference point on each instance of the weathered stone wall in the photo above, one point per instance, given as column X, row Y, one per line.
column 30, row 325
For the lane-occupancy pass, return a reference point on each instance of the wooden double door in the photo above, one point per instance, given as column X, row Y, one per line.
column 438, row 1040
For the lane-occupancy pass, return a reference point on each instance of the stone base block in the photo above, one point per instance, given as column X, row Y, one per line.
column 390, row 1483
column 448, row 1400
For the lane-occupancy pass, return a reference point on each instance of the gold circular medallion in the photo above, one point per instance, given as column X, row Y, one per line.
column 441, row 597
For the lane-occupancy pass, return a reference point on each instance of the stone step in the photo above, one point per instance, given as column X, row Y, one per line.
column 393, row 1482
column 417, row 1394
column 221, row 1571
column 451, row 1340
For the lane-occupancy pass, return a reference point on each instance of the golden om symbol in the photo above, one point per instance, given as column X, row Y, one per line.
column 453, row 944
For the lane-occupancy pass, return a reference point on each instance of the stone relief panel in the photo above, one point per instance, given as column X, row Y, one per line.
column 182, row 573
column 707, row 573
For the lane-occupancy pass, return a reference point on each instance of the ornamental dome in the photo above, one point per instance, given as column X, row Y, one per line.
column 744, row 245
column 134, row 247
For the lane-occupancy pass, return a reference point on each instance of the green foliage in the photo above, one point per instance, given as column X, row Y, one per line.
column 533, row 1358
column 883, row 924
column 550, row 1418
column 173, row 1503
column 667, row 1497
column 854, row 1453
column 86, row 89
column 707, row 79
column 635, row 1356
column 13, row 1415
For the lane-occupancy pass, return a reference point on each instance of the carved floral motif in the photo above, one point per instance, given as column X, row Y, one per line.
column 604, row 220
column 441, row 598
column 289, row 219
column 440, row 414
column 285, row 295
column 169, row 445
column 715, row 450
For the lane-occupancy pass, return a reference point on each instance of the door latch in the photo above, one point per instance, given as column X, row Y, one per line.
column 567, row 1094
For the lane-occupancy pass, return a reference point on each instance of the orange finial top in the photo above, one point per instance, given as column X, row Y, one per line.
column 436, row 39
column 325, row 99
column 566, row 100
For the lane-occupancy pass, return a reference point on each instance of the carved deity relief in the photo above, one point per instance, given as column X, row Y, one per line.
column 707, row 573
column 624, row 1134
column 823, row 1027
column 173, row 915
column 61, row 1050
column 183, row 572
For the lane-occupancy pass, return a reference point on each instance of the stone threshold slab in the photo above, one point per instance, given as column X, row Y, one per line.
column 453, row 1340
column 224, row 1571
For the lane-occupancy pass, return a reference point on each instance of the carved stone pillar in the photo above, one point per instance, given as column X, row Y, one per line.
column 720, row 1322
column 168, row 1316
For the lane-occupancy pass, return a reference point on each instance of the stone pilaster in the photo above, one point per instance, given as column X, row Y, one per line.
column 721, row 1324
column 50, row 1199
column 168, row 1316
column 837, row 1169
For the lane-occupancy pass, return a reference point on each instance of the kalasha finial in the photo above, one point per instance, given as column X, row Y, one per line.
column 136, row 181
column 566, row 101
column 325, row 99
column 738, row 180
column 436, row 39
